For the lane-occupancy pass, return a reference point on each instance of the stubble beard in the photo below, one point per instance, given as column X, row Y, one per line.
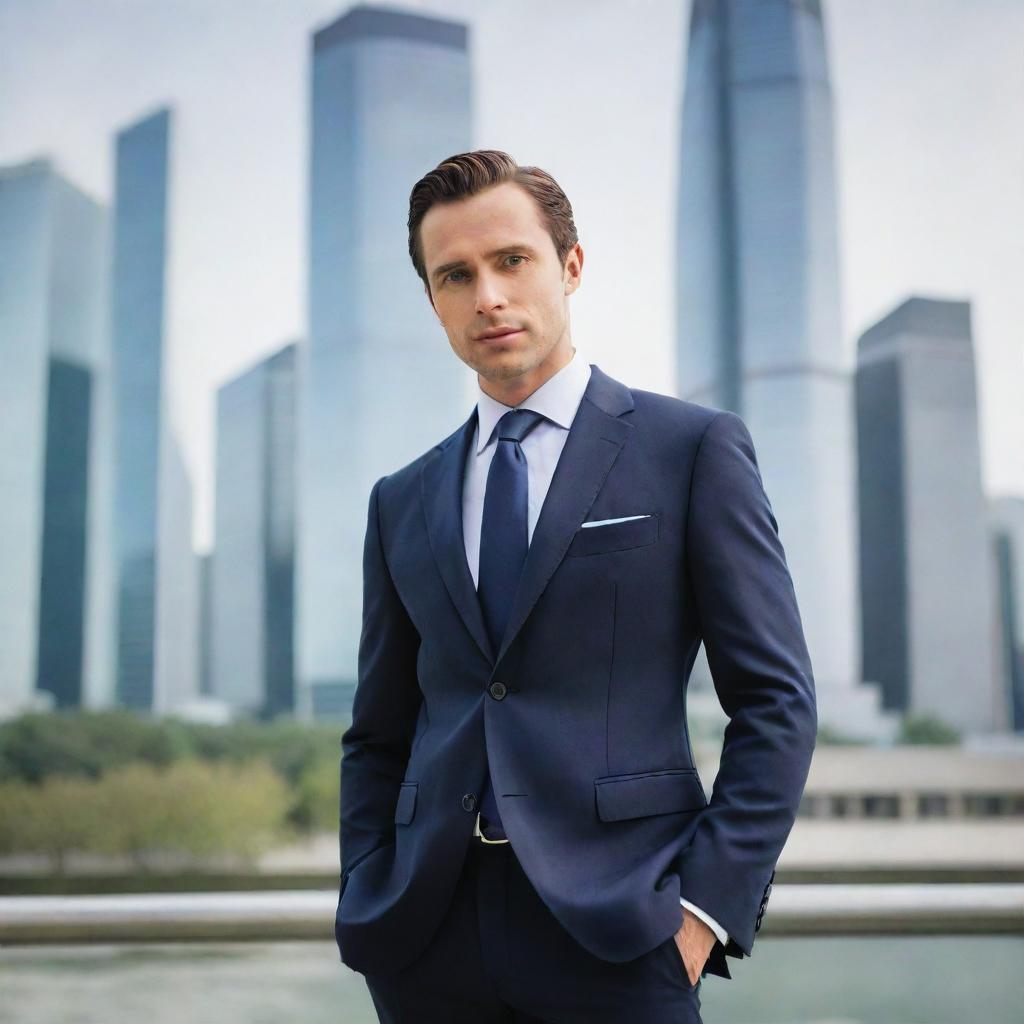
column 508, row 365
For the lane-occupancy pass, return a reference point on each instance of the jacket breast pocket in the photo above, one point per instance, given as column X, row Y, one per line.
column 597, row 540
column 406, row 806
column 639, row 794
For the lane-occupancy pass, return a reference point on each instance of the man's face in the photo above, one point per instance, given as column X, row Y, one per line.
column 492, row 265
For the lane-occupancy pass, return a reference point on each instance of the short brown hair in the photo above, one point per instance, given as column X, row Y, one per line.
column 465, row 174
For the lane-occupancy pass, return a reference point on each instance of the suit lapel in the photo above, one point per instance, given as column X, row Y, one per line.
column 595, row 439
column 441, row 485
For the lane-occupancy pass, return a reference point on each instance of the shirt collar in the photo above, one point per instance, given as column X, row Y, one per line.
column 557, row 398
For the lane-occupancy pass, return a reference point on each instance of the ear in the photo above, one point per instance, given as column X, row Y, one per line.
column 573, row 268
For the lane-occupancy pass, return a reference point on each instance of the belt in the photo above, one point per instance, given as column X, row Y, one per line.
column 482, row 837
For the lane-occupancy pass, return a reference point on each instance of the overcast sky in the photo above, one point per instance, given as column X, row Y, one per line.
column 929, row 115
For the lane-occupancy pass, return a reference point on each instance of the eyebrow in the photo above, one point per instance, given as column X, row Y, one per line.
column 514, row 248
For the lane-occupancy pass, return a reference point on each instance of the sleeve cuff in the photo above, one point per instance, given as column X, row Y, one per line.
column 721, row 934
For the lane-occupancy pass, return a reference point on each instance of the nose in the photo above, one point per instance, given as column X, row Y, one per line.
column 489, row 294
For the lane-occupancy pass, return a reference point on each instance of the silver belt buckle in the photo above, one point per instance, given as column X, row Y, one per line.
column 482, row 837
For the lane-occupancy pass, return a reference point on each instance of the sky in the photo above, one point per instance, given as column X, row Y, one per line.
column 929, row 142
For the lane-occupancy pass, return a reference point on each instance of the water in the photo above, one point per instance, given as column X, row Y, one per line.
column 931, row 980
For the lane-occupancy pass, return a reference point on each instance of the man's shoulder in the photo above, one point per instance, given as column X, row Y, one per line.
column 669, row 418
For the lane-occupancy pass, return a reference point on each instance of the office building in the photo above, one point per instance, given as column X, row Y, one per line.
column 157, row 572
column 925, row 566
column 253, row 561
column 1006, row 519
column 52, row 271
column 379, row 383
column 758, row 304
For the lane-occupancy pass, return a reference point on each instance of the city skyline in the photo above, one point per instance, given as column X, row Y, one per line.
column 247, row 297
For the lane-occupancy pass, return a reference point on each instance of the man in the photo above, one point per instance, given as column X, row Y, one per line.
column 524, row 836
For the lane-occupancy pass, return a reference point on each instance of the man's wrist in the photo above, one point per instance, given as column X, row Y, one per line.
column 720, row 933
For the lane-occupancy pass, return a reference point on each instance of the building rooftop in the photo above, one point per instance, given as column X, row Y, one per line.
column 362, row 23
column 945, row 318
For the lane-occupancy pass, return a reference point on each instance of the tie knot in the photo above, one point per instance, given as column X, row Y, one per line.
column 517, row 423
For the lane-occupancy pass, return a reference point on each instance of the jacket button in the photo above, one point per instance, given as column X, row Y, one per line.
column 469, row 802
column 498, row 690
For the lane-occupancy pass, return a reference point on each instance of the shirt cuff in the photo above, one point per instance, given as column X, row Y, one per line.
column 720, row 932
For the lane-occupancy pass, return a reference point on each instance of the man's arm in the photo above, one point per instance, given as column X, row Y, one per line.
column 761, row 671
column 376, row 745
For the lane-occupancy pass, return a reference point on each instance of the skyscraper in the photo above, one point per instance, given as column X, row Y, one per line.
column 390, row 100
column 758, row 318
column 52, row 272
column 1006, row 516
column 252, row 601
column 157, row 574
column 925, row 566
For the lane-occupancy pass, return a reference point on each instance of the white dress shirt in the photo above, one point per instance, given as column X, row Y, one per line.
column 557, row 398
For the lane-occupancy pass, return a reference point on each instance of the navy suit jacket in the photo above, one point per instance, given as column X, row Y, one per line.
column 583, row 709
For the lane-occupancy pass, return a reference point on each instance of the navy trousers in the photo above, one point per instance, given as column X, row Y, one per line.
column 499, row 955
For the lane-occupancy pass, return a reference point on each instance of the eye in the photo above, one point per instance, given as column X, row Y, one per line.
column 450, row 276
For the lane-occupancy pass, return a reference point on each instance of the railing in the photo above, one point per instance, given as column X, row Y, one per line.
column 813, row 909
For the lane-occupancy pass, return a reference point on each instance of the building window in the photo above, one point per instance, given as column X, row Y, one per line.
column 839, row 806
column 985, row 805
column 879, row 805
column 932, row 805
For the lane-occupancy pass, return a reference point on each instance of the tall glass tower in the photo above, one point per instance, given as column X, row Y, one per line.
column 157, row 572
column 379, row 384
column 52, row 272
column 253, row 569
column 926, row 571
column 758, row 317
column 1006, row 516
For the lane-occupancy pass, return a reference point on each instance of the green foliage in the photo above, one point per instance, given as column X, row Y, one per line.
column 928, row 729
column 91, row 743
column 316, row 806
column 122, row 783
column 288, row 745
column 828, row 735
column 54, row 818
column 35, row 746
column 192, row 808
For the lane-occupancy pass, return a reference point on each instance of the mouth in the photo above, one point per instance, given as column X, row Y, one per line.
column 490, row 339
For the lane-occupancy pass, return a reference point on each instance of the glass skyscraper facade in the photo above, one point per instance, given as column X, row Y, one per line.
column 52, row 272
column 758, row 316
column 65, row 514
column 253, row 562
column 140, row 239
column 157, row 572
column 1006, row 514
column 379, row 383
column 925, row 567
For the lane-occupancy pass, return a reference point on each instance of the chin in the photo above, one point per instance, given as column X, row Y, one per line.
column 505, row 365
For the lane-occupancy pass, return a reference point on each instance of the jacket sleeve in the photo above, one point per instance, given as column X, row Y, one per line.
column 753, row 636
column 377, row 743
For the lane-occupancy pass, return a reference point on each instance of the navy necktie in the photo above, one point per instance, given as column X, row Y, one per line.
column 504, row 539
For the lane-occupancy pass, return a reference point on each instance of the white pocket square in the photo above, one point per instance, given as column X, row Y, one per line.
column 605, row 522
